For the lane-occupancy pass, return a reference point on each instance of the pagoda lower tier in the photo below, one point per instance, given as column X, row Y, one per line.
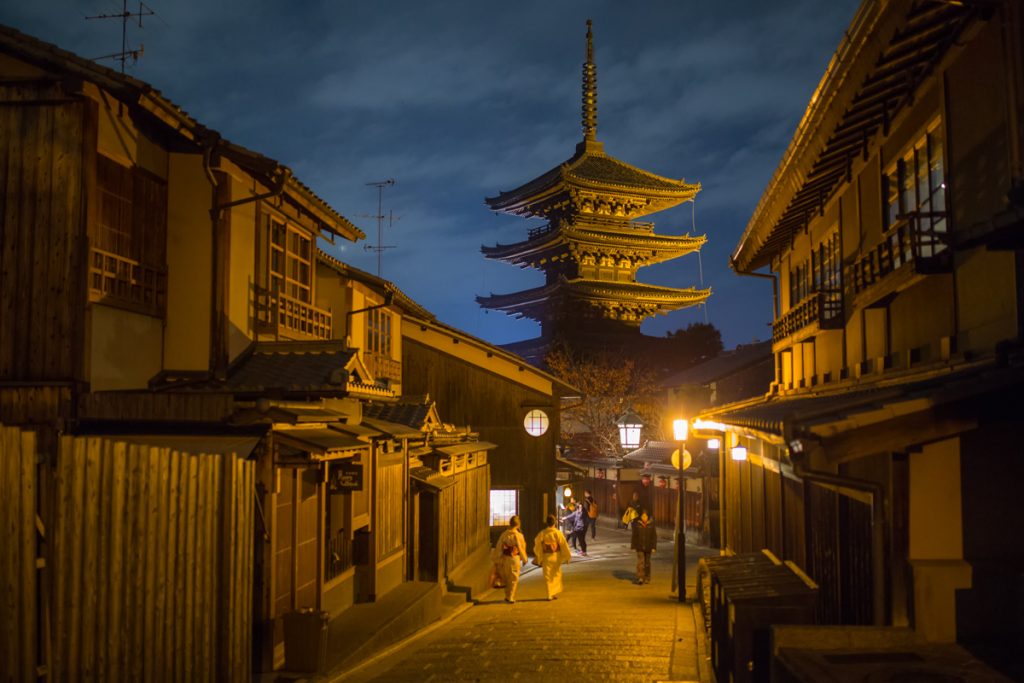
column 564, row 303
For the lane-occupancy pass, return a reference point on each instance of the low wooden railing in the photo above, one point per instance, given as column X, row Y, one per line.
column 824, row 307
column 383, row 367
column 338, row 555
column 279, row 312
column 913, row 240
column 126, row 283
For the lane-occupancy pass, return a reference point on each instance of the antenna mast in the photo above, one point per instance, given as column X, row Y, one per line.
column 125, row 15
column 380, row 185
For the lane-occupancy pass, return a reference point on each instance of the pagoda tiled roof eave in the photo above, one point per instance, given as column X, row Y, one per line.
column 596, row 289
column 667, row 246
column 582, row 172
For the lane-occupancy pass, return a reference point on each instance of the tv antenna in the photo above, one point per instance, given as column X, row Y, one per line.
column 126, row 15
column 380, row 185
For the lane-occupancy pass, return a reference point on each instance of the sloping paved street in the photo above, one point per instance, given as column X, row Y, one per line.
column 602, row 628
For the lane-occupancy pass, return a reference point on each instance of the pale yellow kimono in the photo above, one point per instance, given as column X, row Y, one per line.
column 551, row 562
column 509, row 554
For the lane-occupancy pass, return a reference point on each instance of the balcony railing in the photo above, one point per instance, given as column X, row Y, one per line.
column 824, row 308
column 383, row 367
column 539, row 230
column 918, row 238
column 126, row 283
column 281, row 313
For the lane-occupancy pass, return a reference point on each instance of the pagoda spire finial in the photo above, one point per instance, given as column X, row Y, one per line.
column 590, row 89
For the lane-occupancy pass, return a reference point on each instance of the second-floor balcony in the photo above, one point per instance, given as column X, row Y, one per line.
column 822, row 310
column 383, row 367
column 915, row 245
column 287, row 316
column 126, row 283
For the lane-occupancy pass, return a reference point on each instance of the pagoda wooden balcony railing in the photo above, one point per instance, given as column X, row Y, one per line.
column 127, row 283
column 540, row 230
column 281, row 314
column 823, row 308
column 383, row 367
column 914, row 240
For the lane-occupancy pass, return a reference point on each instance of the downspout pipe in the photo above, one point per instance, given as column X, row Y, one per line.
column 209, row 143
column 768, row 276
column 877, row 494
column 775, row 309
column 389, row 298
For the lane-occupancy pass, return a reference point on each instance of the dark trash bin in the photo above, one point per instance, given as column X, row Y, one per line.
column 746, row 594
column 305, row 640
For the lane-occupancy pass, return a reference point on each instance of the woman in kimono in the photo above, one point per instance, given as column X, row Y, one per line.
column 551, row 552
column 510, row 553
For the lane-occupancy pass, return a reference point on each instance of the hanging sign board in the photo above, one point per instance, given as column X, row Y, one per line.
column 344, row 476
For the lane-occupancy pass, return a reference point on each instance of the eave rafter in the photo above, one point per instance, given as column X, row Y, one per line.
column 886, row 88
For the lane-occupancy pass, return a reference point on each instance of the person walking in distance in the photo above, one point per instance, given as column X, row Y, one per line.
column 591, row 506
column 510, row 550
column 551, row 551
column 577, row 524
column 644, row 542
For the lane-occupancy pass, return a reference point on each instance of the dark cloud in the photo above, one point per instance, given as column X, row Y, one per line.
column 461, row 99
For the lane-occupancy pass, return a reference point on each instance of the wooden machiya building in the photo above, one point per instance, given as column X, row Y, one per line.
column 886, row 460
column 592, row 245
column 183, row 379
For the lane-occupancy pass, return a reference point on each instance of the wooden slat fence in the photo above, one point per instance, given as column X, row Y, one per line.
column 151, row 564
column 19, row 617
column 464, row 515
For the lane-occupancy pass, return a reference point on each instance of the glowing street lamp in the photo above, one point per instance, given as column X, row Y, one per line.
column 630, row 425
column 680, row 430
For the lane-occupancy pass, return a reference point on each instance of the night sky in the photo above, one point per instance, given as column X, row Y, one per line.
column 459, row 100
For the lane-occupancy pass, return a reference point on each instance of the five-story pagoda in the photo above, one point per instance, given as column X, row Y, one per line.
column 592, row 245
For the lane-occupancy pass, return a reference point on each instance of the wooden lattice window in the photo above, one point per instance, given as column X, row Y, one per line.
column 378, row 332
column 291, row 269
column 128, row 251
column 915, row 188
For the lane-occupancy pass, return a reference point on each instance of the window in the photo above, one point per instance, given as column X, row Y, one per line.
column 536, row 422
column 378, row 332
column 290, row 261
column 129, row 238
column 132, row 220
column 504, row 504
column 915, row 191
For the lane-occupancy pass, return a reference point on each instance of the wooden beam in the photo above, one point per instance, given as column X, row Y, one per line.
column 894, row 435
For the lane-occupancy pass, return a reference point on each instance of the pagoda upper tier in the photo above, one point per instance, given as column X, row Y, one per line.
column 580, row 239
column 592, row 183
column 592, row 246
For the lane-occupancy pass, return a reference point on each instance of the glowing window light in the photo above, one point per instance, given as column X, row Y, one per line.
column 714, row 444
column 536, row 422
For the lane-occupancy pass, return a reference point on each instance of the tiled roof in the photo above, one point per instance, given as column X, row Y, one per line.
column 722, row 365
column 292, row 367
column 591, row 167
column 408, row 414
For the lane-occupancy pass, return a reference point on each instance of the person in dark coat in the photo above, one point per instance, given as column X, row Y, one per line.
column 578, row 525
column 644, row 542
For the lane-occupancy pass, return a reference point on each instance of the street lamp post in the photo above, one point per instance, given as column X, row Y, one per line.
column 680, row 430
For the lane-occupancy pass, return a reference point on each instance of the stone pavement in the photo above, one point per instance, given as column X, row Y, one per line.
column 602, row 628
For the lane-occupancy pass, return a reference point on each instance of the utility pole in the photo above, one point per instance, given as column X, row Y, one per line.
column 125, row 16
column 379, row 247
